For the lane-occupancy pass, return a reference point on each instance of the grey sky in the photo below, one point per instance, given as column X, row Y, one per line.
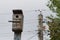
column 30, row 17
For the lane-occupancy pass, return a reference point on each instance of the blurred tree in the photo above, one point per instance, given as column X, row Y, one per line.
column 54, row 25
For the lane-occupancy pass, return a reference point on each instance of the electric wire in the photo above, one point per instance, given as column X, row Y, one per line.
column 25, row 11
column 30, row 31
column 32, row 36
column 26, row 21
column 22, row 32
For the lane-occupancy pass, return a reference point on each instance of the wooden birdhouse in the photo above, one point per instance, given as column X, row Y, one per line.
column 17, row 23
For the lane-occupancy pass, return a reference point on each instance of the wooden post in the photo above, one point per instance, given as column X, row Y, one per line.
column 40, row 27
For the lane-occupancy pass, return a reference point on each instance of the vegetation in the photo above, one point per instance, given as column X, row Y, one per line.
column 54, row 26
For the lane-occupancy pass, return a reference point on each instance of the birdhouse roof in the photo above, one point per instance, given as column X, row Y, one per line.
column 17, row 12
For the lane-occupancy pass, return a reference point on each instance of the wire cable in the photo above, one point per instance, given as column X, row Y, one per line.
column 32, row 36
column 31, row 31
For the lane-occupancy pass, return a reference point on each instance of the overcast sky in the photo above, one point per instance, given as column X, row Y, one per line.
column 30, row 17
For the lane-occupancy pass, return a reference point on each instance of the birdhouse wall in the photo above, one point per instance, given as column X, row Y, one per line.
column 17, row 26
